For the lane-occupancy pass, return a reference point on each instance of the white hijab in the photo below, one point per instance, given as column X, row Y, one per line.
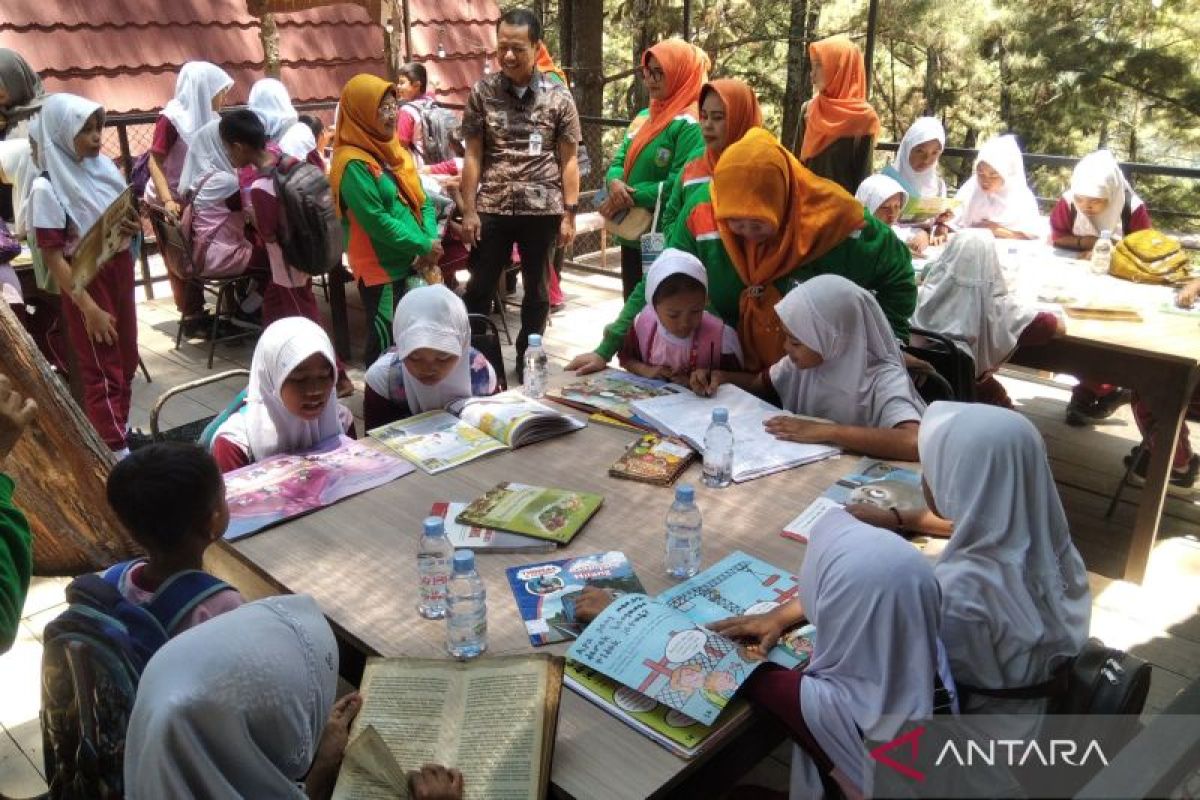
column 264, row 426
column 269, row 99
column 17, row 170
column 878, row 189
column 191, row 107
column 1099, row 175
column 673, row 262
column 926, row 183
column 207, row 157
column 234, row 707
column 84, row 188
column 874, row 601
column 1015, row 597
column 431, row 317
column 298, row 141
column 1013, row 206
column 964, row 297
column 863, row 373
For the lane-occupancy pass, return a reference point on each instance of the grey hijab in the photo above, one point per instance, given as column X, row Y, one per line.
column 24, row 88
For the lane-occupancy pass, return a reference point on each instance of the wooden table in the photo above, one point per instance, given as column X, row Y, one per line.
column 1159, row 358
column 358, row 559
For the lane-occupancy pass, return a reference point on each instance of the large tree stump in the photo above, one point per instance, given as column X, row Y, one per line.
column 60, row 466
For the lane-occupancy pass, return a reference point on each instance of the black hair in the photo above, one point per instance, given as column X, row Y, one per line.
column 315, row 125
column 242, row 126
column 522, row 17
column 674, row 284
column 165, row 492
column 415, row 73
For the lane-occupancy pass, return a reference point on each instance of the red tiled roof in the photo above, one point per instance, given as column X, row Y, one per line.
column 466, row 30
column 126, row 55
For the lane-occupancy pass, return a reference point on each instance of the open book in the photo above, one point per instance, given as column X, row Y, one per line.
column 755, row 452
column 874, row 482
column 610, row 392
column 102, row 241
column 493, row 719
column 660, row 647
column 439, row 440
column 927, row 209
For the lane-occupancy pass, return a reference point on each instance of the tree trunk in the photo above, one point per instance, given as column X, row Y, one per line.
column 60, row 467
column 797, row 67
column 566, row 36
column 643, row 12
column 932, row 91
column 587, row 49
column 269, row 35
column 1005, row 83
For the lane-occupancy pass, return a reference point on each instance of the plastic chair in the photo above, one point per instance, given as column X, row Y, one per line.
column 485, row 337
column 954, row 365
column 191, row 431
column 177, row 256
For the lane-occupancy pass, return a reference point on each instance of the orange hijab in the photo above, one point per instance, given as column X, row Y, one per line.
column 358, row 137
column 840, row 110
column 757, row 178
column 546, row 66
column 741, row 113
column 685, row 69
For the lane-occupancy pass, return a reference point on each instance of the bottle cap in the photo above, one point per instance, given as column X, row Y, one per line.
column 464, row 561
column 535, row 340
column 434, row 526
column 685, row 493
column 1106, row 234
column 720, row 414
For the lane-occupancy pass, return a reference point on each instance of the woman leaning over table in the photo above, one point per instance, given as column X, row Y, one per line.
column 389, row 223
column 660, row 140
column 771, row 224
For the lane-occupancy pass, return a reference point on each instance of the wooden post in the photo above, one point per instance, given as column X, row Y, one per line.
column 269, row 34
column 60, row 467
column 869, row 55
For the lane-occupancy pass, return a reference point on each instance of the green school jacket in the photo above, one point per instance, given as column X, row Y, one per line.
column 16, row 563
column 872, row 257
column 659, row 163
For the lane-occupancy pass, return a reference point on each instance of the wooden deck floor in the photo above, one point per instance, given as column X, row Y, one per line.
column 1159, row 621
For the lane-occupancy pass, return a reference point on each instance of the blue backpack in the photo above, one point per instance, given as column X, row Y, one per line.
column 93, row 657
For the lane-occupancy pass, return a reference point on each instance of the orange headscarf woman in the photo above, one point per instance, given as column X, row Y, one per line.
column 839, row 126
column 728, row 109
column 389, row 224
column 772, row 224
column 660, row 140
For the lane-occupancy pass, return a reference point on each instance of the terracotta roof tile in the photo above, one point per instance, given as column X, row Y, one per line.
column 435, row 11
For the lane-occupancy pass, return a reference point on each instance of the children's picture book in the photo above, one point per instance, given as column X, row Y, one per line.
column 102, row 241
column 755, row 452
column 284, row 486
column 661, row 648
column 610, row 392
column 875, row 482
column 484, row 540
column 674, row 730
column 552, row 514
column 927, row 209
column 546, row 592
column 494, row 719
column 440, row 440
column 654, row 459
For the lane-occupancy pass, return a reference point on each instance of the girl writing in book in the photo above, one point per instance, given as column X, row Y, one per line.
column 432, row 363
column 290, row 405
column 876, row 658
column 885, row 198
column 842, row 364
column 964, row 296
column 997, row 196
column 1015, row 598
column 77, row 186
column 674, row 336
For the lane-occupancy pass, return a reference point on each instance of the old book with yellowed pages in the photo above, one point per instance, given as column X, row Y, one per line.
column 493, row 719
column 102, row 241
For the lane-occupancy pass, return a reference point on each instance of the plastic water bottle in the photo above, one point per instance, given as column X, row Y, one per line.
column 1102, row 253
column 466, row 602
column 684, row 529
column 537, row 368
column 718, row 451
column 433, row 567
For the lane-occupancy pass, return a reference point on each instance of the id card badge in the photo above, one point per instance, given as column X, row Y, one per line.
column 535, row 144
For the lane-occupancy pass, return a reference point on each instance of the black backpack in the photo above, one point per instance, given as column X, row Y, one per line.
column 92, row 660
column 309, row 231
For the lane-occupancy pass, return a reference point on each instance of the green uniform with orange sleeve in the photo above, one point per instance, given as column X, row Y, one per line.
column 383, row 237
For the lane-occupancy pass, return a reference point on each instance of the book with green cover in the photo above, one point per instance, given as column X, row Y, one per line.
column 924, row 209
column 553, row 514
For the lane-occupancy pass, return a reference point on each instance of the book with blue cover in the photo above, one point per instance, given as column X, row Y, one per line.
column 546, row 591
column 661, row 648
column 872, row 482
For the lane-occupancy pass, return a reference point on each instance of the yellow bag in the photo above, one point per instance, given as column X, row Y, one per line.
column 1149, row 256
